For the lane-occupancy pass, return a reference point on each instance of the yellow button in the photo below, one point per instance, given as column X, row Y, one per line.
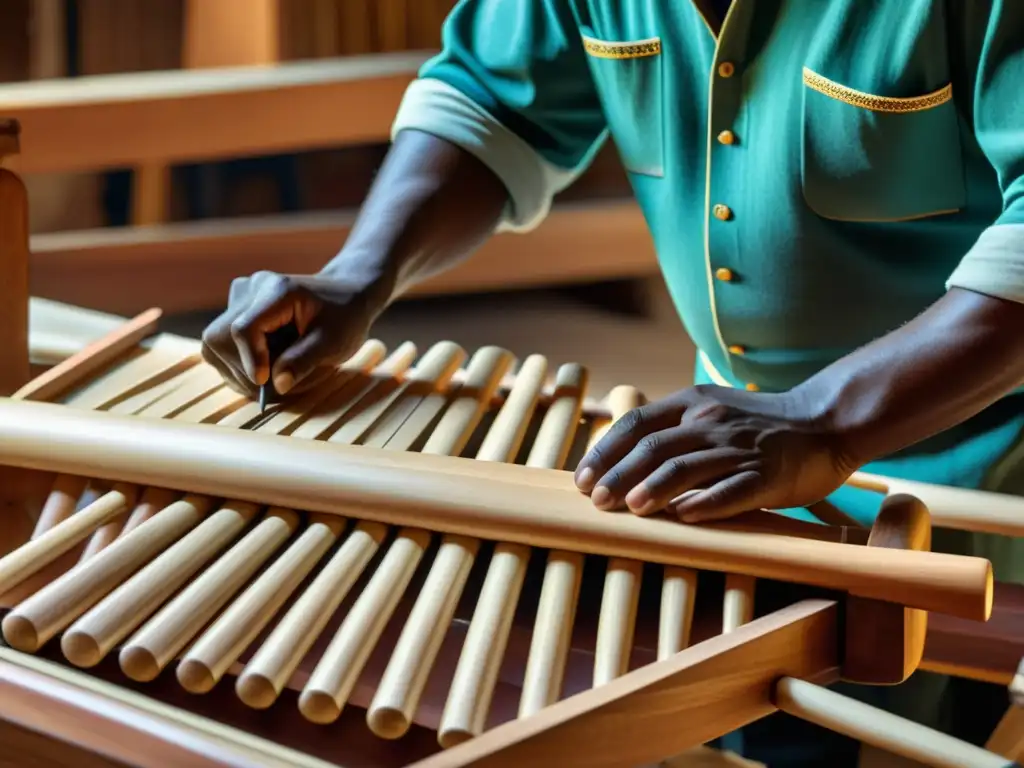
column 752, row 387
column 726, row 69
column 726, row 137
column 736, row 349
column 721, row 212
column 724, row 274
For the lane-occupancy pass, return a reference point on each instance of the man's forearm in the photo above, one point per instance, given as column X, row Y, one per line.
column 948, row 364
column 431, row 205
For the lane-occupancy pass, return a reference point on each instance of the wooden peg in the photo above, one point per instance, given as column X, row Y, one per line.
column 885, row 641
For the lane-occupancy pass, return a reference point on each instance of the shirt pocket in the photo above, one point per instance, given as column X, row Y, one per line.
column 878, row 158
column 628, row 77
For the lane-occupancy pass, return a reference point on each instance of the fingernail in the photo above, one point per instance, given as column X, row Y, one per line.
column 639, row 501
column 585, row 479
column 283, row 382
column 602, row 498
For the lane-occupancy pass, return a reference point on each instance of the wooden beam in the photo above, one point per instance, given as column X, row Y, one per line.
column 186, row 267
column 113, row 722
column 115, row 121
column 664, row 708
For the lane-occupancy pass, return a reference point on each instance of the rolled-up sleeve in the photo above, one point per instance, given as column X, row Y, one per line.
column 995, row 264
column 513, row 87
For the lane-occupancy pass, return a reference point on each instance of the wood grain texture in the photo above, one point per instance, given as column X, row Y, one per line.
column 885, row 640
column 122, row 725
column 671, row 705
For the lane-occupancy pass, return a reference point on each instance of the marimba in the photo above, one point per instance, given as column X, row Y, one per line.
column 396, row 569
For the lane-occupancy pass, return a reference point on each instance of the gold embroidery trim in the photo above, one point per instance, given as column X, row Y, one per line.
column 876, row 103
column 635, row 50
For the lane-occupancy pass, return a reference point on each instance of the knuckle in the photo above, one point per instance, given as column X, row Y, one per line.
column 239, row 326
column 215, row 335
column 651, row 444
column 677, row 465
column 633, row 420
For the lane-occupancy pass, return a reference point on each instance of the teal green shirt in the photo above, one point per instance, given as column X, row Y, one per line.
column 870, row 146
column 814, row 174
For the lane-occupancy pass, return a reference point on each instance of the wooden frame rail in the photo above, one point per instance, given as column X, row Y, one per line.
column 183, row 267
column 161, row 118
column 120, row 121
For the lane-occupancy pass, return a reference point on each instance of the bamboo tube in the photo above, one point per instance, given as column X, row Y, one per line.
column 738, row 605
column 476, row 672
column 556, row 611
column 60, row 504
column 267, row 672
column 617, row 620
column 401, row 686
column 234, row 630
column 157, row 642
column 465, row 497
column 98, row 631
column 63, row 600
column 678, row 599
column 18, row 565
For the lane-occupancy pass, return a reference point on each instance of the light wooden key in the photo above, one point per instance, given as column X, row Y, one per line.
column 55, row 606
column 552, row 632
column 399, row 690
column 337, row 672
column 367, row 356
column 678, row 598
column 268, row 671
column 96, row 633
column 472, row 686
column 290, row 414
column 326, row 693
column 44, row 549
column 265, row 675
column 213, row 653
column 384, row 417
column 161, row 638
column 617, row 620
column 320, row 422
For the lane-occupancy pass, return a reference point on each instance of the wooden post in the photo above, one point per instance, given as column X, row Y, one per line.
column 14, row 290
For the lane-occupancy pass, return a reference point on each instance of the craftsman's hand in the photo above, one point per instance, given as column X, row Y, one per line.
column 332, row 314
column 711, row 452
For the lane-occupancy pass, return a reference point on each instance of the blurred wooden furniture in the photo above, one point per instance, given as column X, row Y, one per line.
column 238, row 98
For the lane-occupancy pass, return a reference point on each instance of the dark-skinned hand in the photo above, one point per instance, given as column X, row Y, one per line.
column 711, row 452
column 332, row 315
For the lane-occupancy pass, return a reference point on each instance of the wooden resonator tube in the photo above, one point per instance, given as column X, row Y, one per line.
column 54, row 607
column 514, row 504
